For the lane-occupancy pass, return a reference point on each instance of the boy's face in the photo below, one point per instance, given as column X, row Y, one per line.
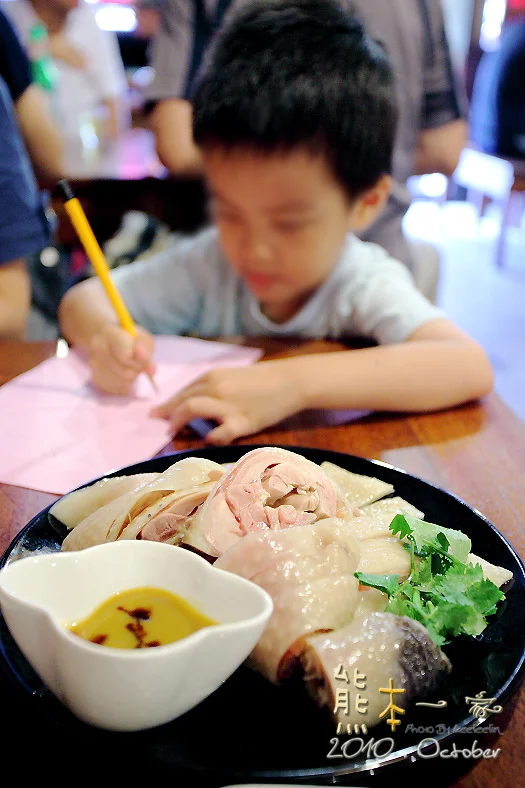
column 282, row 220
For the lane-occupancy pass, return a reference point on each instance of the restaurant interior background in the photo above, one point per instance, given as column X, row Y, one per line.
column 476, row 220
column 476, row 452
column 481, row 240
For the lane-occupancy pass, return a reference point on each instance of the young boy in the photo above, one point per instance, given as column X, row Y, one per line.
column 296, row 119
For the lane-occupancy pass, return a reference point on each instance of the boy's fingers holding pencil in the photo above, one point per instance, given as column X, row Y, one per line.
column 112, row 342
column 143, row 351
column 114, row 362
column 112, row 367
column 117, row 345
column 108, row 381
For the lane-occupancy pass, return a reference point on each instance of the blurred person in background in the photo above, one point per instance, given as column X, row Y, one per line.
column 40, row 133
column 148, row 13
column 497, row 109
column 84, row 74
column 432, row 129
column 28, row 264
column 24, row 230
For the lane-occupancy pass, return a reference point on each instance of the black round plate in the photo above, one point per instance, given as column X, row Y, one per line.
column 249, row 731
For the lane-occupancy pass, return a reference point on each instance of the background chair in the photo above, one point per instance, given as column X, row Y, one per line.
column 493, row 179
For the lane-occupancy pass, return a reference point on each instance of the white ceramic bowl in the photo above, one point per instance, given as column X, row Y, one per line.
column 129, row 689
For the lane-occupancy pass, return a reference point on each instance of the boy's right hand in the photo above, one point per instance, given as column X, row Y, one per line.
column 117, row 358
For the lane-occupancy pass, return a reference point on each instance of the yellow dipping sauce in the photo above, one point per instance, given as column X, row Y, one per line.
column 141, row 618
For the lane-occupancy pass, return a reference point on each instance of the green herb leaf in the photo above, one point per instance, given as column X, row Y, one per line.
column 444, row 593
column 426, row 535
column 385, row 583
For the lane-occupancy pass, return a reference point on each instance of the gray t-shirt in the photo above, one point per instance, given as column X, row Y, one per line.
column 413, row 33
column 190, row 289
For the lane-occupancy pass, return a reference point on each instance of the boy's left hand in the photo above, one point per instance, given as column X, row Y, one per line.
column 243, row 400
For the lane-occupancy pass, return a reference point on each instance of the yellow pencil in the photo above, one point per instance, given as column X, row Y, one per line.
column 92, row 248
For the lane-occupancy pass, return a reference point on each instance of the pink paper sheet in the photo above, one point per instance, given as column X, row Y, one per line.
column 57, row 433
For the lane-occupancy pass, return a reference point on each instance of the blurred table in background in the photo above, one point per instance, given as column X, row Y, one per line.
column 111, row 179
column 131, row 158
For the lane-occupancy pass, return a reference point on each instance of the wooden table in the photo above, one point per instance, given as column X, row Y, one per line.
column 476, row 451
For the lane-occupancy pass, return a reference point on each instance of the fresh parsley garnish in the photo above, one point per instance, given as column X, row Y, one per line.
column 444, row 593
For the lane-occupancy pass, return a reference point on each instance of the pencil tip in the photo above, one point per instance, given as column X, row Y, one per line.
column 153, row 384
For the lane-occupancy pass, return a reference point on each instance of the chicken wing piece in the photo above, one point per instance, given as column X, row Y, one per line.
column 348, row 672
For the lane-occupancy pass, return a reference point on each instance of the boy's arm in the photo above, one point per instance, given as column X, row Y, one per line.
column 437, row 367
column 88, row 321
column 162, row 294
column 83, row 311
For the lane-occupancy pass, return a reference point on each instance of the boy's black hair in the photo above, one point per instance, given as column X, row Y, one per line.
column 300, row 74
